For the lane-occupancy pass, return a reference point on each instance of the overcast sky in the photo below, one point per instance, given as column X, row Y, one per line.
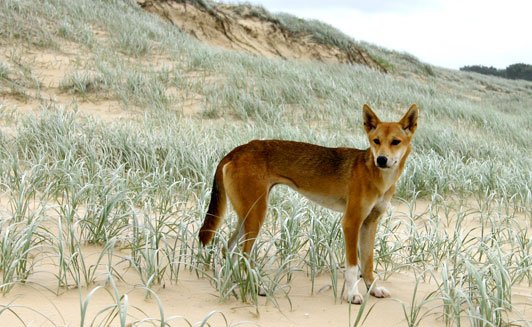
column 446, row 33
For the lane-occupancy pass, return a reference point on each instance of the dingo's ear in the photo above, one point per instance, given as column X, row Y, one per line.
column 409, row 120
column 370, row 119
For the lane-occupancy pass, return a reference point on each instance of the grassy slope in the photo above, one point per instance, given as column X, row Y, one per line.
column 487, row 116
column 473, row 136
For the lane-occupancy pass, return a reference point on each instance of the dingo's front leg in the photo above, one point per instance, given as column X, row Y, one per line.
column 352, row 277
column 367, row 248
column 351, row 223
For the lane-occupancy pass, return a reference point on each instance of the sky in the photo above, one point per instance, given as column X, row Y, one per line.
column 445, row 33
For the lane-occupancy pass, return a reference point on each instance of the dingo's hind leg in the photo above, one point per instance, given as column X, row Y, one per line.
column 249, row 196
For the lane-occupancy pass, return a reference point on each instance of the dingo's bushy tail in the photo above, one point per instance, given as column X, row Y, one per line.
column 217, row 207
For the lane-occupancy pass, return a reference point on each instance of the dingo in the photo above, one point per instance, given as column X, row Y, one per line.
column 358, row 183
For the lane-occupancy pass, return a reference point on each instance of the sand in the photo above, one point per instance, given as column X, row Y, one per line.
column 193, row 299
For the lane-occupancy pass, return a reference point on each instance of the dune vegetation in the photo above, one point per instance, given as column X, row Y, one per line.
column 112, row 122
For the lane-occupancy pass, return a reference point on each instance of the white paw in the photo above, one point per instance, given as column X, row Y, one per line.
column 380, row 292
column 352, row 279
column 354, row 298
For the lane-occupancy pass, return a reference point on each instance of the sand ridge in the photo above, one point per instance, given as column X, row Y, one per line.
column 243, row 28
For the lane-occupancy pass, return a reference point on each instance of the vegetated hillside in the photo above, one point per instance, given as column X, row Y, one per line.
column 112, row 121
column 515, row 71
column 254, row 30
column 115, row 60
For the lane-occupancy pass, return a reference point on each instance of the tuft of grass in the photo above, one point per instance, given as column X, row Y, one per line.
column 414, row 313
column 4, row 70
column 83, row 83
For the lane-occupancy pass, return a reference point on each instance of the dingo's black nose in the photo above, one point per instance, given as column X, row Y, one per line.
column 381, row 161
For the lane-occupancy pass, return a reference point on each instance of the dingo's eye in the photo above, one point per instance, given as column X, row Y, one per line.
column 376, row 141
column 396, row 142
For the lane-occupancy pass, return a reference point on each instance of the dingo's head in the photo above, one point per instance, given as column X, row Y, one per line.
column 389, row 141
